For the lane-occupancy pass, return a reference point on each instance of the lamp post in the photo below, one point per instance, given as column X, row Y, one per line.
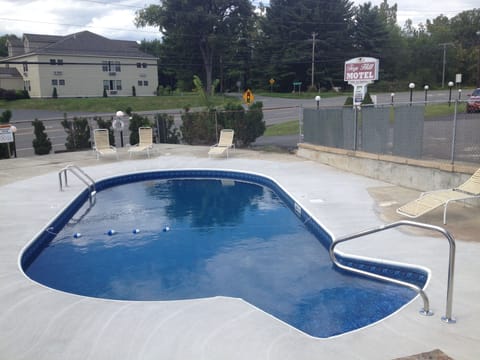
column 426, row 87
column 392, row 95
column 459, row 94
column 14, row 130
column 118, row 124
column 411, row 86
column 478, row 60
column 317, row 99
column 450, row 85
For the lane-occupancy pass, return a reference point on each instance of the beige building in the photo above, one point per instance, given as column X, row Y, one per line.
column 81, row 65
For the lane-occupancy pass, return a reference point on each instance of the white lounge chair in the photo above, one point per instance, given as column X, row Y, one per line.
column 145, row 143
column 102, row 145
column 428, row 201
column 224, row 143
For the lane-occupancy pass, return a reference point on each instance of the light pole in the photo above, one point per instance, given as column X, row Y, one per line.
column 118, row 124
column 392, row 95
column 317, row 99
column 426, row 87
column 411, row 86
column 450, row 85
column 478, row 60
column 459, row 94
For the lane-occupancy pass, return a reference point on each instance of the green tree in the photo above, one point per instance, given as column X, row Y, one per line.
column 286, row 42
column 203, row 27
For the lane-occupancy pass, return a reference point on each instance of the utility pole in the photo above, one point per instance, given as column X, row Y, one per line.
column 444, row 60
column 313, row 58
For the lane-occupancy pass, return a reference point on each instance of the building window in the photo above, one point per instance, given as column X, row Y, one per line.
column 144, row 65
column 145, row 83
column 140, row 82
column 59, row 61
column 106, row 84
column 25, row 67
column 111, row 66
column 139, row 65
column 26, row 85
column 119, row 84
column 53, row 62
column 61, row 82
column 54, row 82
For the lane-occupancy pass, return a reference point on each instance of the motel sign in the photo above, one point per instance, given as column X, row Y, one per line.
column 359, row 72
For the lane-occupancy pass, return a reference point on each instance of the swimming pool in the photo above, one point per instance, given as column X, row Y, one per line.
column 187, row 234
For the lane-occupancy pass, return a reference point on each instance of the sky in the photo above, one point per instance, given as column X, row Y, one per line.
column 114, row 18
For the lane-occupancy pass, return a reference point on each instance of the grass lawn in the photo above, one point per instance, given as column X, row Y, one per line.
column 113, row 104
column 286, row 128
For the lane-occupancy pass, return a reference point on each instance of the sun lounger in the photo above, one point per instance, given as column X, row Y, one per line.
column 431, row 200
column 102, row 145
column 224, row 144
column 145, row 143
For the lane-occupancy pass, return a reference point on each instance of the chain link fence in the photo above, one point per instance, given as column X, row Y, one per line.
column 443, row 131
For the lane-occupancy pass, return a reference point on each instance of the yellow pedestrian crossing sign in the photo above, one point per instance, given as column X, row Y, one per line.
column 248, row 97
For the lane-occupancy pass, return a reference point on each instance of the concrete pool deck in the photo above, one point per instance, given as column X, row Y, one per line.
column 40, row 323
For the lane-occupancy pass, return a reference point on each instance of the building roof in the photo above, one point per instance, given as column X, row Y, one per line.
column 83, row 43
column 9, row 73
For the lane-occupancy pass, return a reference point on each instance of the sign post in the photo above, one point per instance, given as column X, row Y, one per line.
column 359, row 72
column 6, row 136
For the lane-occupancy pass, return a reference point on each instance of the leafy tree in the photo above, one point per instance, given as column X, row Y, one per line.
column 287, row 38
column 41, row 144
column 203, row 27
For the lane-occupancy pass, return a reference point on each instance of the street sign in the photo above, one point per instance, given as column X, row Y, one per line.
column 6, row 134
column 248, row 97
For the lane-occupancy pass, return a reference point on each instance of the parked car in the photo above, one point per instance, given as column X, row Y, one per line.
column 473, row 104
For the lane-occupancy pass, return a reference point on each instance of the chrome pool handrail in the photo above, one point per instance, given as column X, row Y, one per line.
column 82, row 176
column 451, row 263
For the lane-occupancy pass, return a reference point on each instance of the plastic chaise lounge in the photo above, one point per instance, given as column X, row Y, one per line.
column 224, row 144
column 145, row 143
column 431, row 200
column 102, row 144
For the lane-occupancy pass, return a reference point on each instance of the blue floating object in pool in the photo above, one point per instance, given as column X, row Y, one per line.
column 135, row 231
column 77, row 235
column 111, row 232
column 166, row 228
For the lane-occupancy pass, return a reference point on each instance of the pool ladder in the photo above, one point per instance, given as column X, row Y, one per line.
column 82, row 176
column 451, row 264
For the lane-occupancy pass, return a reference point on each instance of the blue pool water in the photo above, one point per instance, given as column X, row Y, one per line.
column 185, row 235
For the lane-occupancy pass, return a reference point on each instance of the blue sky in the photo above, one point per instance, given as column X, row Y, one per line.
column 114, row 18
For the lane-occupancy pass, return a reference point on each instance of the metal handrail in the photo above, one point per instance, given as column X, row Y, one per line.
column 82, row 176
column 451, row 264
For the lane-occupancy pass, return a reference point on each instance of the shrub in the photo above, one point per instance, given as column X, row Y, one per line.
column 348, row 101
column 78, row 133
column 198, row 128
column 105, row 93
column 106, row 124
column 134, row 91
column 167, row 133
column 137, row 121
column 55, row 94
column 248, row 125
column 41, row 144
column 367, row 100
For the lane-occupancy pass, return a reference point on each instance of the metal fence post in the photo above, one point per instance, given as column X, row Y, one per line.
column 454, row 132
